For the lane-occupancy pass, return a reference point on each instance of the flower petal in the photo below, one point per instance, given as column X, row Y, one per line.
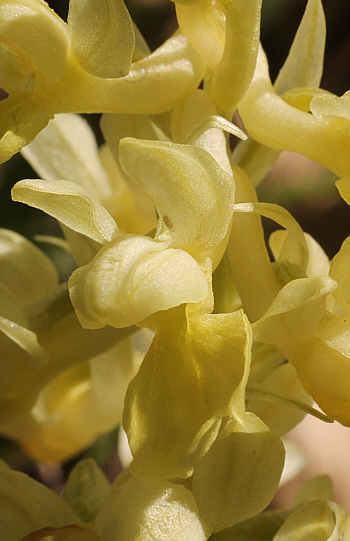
column 304, row 64
column 193, row 194
column 239, row 475
column 67, row 149
column 70, row 204
column 102, row 36
column 151, row 511
column 131, row 278
column 197, row 369
column 27, row 505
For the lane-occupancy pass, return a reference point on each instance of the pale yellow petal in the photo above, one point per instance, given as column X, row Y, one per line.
column 239, row 475
column 67, row 149
column 25, row 270
column 133, row 277
column 70, row 204
column 193, row 194
column 328, row 104
column 236, row 68
column 340, row 272
column 274, row 123
column 281, row 418
column 23, row 21
column 102, row 36
column 304, row 64
column 201, row 24
column 27, row 506
column 198, row 371
column 151, row 511
column 317, row 519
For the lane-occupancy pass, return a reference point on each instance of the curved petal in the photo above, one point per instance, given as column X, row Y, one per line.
column 340, row 272
column 67, row 149
column 102, row 36
column 27, row 506
column 131, row 278
column 25, row 270
column 304, row 64
column 197, row 369
column 274, row 123
column 194, row 196
column 151, row 510
column 70, row 204
column 86, row 489
column 236, row 67
column 239, row 475
column 23, row 21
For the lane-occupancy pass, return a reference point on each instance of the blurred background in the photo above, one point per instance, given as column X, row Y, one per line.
column 305, row 188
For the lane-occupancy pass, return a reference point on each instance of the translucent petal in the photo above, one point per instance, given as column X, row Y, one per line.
column 23, row 21
column 236, row 68
column 132, row 278
column 67, row 149
column 194, row 215
column 304, row 64
column 343, row 186
column 239, row 475
column 151, row 511
column 86, row 489
column 197, row 371
column 265, row 524
column 70, row 204
column 102, row 36
column 27, row 505
column 314, row 520
column 25, row 270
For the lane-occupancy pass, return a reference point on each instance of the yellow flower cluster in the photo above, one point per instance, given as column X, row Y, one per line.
column 175, row 323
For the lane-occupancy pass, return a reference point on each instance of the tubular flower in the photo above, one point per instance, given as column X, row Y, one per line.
column 66, row 69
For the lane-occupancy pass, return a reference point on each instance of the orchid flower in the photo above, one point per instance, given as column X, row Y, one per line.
column 89, row 64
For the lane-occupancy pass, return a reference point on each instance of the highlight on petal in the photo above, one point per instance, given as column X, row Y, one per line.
column 102, row 36
column 151, row 510
column 131, row 278
column 304, row 64
column 67, row 149
column 197, row 368
column 27, row 506
column 194, row 196
column 70, row 204
column 23, row 21
column 239, row 475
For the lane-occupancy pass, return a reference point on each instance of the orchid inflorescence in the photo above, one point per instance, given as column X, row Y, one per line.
column 175, row 322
